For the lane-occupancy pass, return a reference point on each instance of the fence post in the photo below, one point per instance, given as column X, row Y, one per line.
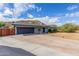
column 0, row 32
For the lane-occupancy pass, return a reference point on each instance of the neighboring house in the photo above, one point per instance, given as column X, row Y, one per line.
column 30, row 26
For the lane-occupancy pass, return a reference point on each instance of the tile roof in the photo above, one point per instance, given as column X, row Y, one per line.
column 30, row 22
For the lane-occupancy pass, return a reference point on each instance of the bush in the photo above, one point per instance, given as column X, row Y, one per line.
column 2, row 24
column 52, row 30
column 69, row 27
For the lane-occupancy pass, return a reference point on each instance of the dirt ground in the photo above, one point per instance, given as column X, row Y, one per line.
column 68, row 46
column 67, row 35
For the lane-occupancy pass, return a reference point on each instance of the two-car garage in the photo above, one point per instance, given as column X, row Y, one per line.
column 25, row 30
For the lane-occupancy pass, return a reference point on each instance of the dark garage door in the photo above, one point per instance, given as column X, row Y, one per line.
column 25, row 30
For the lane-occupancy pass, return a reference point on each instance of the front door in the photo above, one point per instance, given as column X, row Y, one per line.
column 43, row 30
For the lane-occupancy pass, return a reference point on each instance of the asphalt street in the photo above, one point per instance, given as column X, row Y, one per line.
column 6, row 50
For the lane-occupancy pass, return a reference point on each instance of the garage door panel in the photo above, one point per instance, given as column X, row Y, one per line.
column 23, row 30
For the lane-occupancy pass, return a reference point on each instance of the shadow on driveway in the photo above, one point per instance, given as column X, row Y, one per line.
column 12, row 51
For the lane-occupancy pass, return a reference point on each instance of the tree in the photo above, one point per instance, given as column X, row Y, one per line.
column 69, row 27
column 2, row 24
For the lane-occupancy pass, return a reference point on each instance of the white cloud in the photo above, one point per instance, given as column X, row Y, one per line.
column 49, row 20
column 8, row 11
column 21, row 7
column 71, row 21
column 2, row 5
column 29, row 15
column 74, row 14
column 2, row 18
column 39, row 9
column 72, row 7
column 18, row 8
column 32, row 6
column 69, row 15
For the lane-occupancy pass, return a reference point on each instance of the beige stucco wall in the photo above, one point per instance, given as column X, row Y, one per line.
column 46, row 30
column 36, row 30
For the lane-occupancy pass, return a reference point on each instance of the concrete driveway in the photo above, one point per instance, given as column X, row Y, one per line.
column 43, row 45
column 9, row 46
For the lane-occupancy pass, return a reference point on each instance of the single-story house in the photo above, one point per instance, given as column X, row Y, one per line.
column 30, row 26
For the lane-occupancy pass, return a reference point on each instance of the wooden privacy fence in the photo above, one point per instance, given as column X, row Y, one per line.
column 7, row 31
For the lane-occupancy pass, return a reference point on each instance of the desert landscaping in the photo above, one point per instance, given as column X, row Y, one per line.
column 53, row 41
column 74, row 36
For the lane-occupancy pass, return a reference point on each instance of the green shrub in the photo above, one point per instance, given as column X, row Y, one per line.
column 2, row 24
column 52, row 30
column 69, row 27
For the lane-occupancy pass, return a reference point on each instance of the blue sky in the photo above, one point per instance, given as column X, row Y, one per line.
column 49, row 13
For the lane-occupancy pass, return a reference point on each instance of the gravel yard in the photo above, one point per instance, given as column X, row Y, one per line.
column 74, row 36
column 64, row 45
